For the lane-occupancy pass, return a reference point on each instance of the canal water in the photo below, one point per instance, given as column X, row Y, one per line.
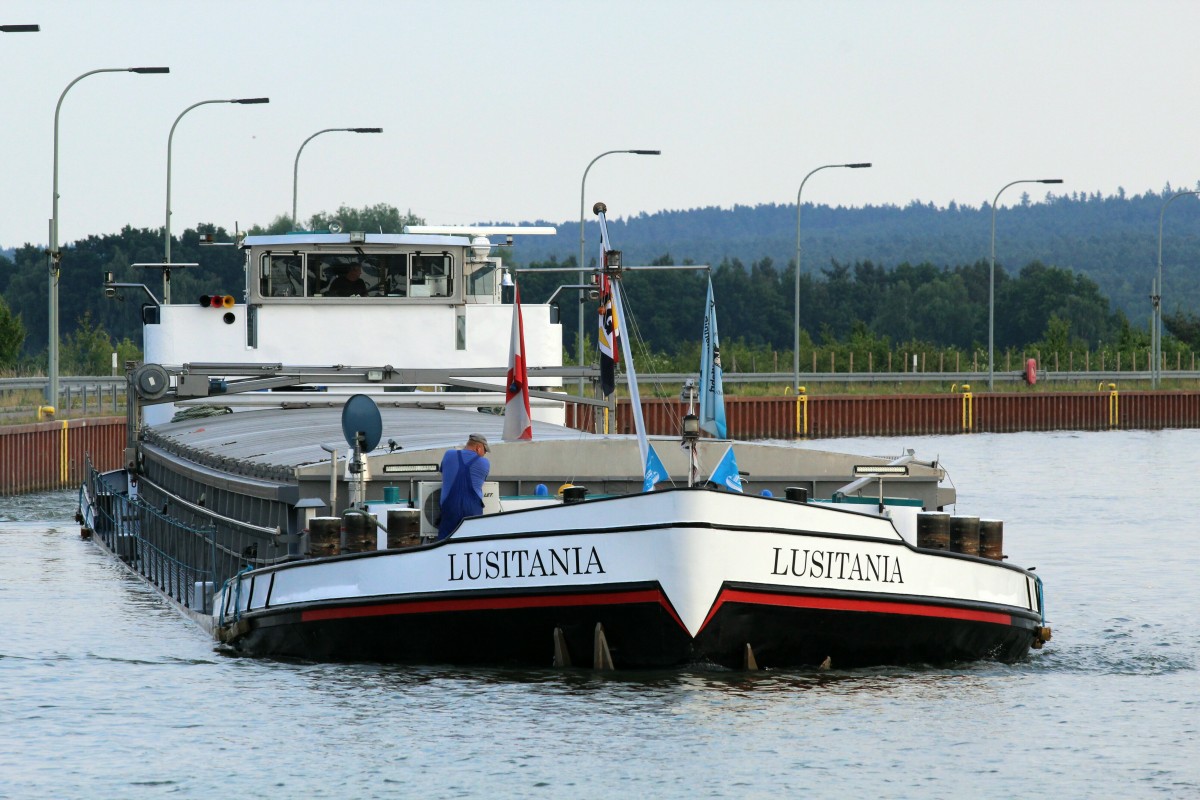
column 107, row 692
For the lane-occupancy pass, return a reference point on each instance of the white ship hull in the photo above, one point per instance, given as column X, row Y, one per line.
column 671, row 577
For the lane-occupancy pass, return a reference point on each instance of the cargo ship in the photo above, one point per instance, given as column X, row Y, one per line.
column 281, row 489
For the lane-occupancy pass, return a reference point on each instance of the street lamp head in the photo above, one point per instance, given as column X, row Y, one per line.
column 365, row 130
column 1050, row 180
column 150, row 70
column 251, row 101
column 863, row 165
column 19, row 28
column 646, row 152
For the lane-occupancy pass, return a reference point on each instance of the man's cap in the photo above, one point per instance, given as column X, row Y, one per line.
column 479, row 438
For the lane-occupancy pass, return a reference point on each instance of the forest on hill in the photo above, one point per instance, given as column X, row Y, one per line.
column 1072, row 273
column 1111, row 239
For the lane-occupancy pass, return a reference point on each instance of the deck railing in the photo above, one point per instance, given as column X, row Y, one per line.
column 183, row 550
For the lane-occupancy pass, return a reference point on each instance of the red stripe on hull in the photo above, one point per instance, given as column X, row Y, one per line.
column 493, row 604
column 866, row 606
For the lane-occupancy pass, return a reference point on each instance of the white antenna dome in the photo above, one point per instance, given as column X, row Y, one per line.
column 481, row 246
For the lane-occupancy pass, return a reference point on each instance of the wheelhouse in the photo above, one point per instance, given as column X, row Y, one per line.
column 416, row 268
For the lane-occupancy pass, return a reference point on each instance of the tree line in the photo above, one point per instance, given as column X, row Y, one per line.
column 865, row 312
column 863, row 306
column 1112, row 239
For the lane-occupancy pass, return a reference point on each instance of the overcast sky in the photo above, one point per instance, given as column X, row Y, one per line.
column 491, row 110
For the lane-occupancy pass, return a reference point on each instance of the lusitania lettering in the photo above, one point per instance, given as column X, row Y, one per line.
column 538, row 563
column 837, row 565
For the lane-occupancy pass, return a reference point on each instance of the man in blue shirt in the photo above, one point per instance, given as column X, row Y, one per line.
column 463, row 474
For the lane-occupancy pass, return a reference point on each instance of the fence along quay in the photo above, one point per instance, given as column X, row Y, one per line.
column 48, row 456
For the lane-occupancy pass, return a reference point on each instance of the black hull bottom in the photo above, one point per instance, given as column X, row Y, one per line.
column 640, row 633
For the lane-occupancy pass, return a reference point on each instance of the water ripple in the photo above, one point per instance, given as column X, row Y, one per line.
column 107, row 692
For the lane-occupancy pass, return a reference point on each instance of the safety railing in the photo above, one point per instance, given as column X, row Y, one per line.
column 77, row 397
column 175, row 545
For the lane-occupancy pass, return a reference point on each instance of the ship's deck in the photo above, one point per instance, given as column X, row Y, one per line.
column 293, row 437
column 285, row 445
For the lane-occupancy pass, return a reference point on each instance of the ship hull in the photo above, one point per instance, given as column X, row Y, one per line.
column 639, row 631
column 691, row 582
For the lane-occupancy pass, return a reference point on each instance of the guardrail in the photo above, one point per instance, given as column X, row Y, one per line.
column 977, row 379
column 78, row 396
column 82, row 386
column 14, row 384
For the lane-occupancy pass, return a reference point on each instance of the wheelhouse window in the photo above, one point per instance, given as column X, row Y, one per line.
column 340, row 275
column 282, row 275
column 355, row 274
column 482, row 280
column 431, row 275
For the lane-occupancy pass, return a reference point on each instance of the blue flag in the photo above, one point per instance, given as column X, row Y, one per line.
column 655, row 471
column 712, row 394
column 726, row 473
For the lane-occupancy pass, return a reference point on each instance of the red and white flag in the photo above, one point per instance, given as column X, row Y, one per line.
column 516, row 394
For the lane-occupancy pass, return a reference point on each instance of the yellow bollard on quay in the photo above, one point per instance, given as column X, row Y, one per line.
column 801, row 411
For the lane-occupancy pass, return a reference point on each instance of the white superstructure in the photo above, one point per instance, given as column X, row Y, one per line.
column 425, row 301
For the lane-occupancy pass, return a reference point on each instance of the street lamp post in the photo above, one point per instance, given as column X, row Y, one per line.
column 796, row 307
column 170, row 139
column 1156, row 329
column 19, row 28
column 296, row 166
column 55, row 257
column 992, row 280
column 582, row 271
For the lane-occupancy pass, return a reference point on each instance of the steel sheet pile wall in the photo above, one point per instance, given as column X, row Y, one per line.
column 884, row 416
column 776, row 420
column 53, row 455
column 1004, row 413
column 776, row 417
column 1153, row 410
column 899, row 415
